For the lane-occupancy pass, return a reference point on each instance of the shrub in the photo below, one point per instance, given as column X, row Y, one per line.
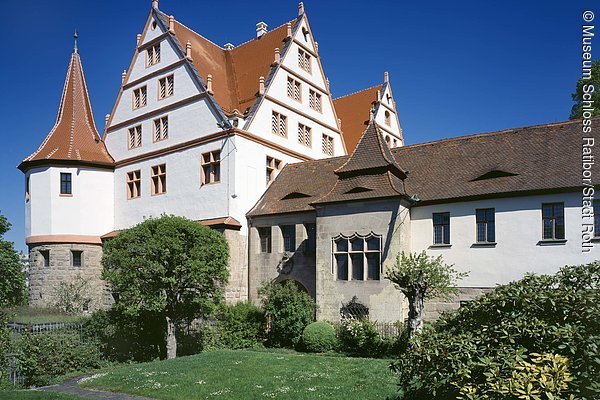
column 358, row 336
column 72, row 297
column 540, row 333
column 318, row 337
column 288, row 310
column 41, row 357
column 240, row 325
column 124, row 338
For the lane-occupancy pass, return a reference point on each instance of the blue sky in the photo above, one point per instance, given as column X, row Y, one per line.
column 456, row 67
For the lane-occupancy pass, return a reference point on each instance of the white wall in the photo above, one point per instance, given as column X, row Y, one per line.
column 89, row 211
column 185, row 195
column 261, row 123
column 518, row 231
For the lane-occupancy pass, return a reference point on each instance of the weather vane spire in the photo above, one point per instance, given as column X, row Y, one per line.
column 75, row 36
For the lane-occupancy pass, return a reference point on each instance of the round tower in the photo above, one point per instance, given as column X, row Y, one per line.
column 68, row 201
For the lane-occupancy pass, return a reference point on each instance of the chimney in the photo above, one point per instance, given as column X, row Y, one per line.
column 289, row 30
column 123, row 76
column 228, row 46
column 139, row 39
column 209, row 84
column 378, row 94
column 188, row 50
column 155, row 4
column 261, row 29
column 277, row 56
column 261, row 85
column 386, row 77
column 300, row 8
column 172, row 23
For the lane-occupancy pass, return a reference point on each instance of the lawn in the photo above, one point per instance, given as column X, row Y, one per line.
column 245, row 374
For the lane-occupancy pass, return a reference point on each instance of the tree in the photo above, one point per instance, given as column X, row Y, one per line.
column 421, row 277
column 170, row 267
column 288, row 310
column 590, row 88
column 12, row 278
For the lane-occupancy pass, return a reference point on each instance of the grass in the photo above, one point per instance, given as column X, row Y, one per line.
column 246, row 374
column 30, row 315
column 35, row 395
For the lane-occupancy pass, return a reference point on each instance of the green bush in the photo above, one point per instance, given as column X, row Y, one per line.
column 240, row 325
column 318, row 337
column 42, row 357
column 541, row 334
column 358, row 336
column 288, row 310
column 124, row 338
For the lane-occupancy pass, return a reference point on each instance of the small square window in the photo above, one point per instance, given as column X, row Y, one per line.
column 159, row 179
column 76, row 258
column 279, row 124
column 166, row 87
column 304, row 135
column 264, row 233
column 553, row 221
column 441, row 228
column 140, row 97
column 134, row 184
column 327, row 145
column 45, row 257
column 153, row 55
column 273, row 165
column 211, row 167
column 288, row 233
column 135, row 137
column 65, row 183
column 161, row 129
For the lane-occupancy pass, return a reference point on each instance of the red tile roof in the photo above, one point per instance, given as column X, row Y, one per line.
column 235, row 73
column 74, row 137
column 542, row 158
column 354, row 112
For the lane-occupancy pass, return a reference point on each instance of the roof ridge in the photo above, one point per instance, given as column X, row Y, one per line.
column 498, row 132
column 193, row 31
column 268, row 32
column 358, row 91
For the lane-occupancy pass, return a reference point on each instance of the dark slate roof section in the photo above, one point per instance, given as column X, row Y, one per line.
column 544, row 158
column 371, row 153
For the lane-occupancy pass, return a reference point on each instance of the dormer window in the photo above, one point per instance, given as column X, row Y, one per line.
column 304, row 60
column 140, row 97
column 153, row 55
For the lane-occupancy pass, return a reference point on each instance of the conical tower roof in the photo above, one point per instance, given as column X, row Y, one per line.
column 74, row 138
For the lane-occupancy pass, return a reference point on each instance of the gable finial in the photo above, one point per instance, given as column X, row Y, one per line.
column 155, row 4
column 386, row 77
column 300, row 8
column 75, row 36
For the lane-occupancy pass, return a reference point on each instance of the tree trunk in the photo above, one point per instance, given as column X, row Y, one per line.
column 416, row 307
column 171, row 339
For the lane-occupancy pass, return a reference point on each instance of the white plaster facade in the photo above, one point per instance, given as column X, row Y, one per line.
column 519, row 247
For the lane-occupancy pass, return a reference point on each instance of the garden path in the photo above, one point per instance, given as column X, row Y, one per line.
column 70, row 387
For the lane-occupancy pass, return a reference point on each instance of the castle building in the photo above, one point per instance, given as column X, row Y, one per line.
column 248, row 140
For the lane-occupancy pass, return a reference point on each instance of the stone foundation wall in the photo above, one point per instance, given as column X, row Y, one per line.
column 44, row 280
column 237, row 288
